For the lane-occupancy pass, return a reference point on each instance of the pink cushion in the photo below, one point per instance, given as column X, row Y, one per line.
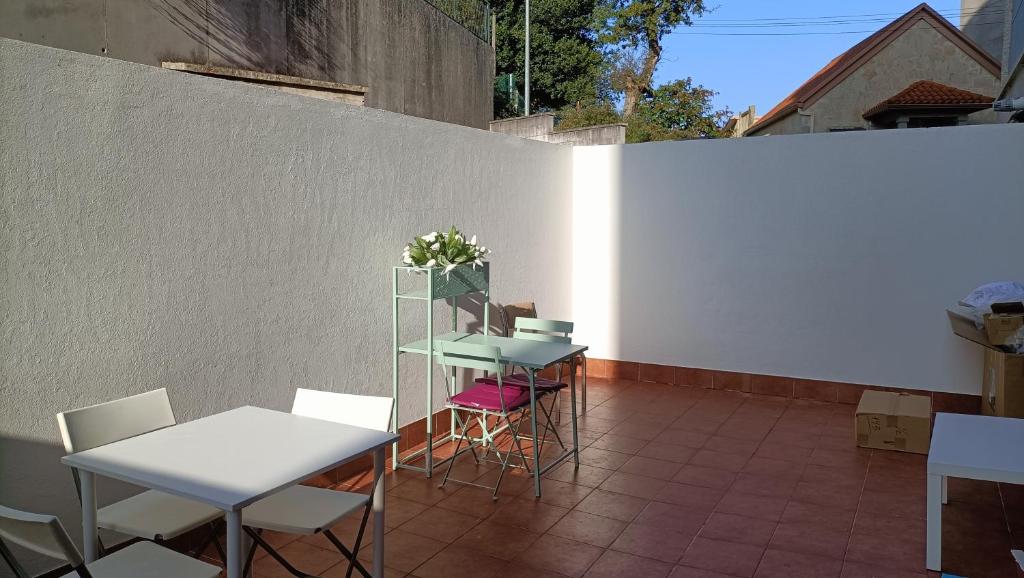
column 486, row 396
column 523, row 380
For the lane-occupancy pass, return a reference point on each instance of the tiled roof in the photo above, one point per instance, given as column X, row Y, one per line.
column 925, row 93
column 849, row 61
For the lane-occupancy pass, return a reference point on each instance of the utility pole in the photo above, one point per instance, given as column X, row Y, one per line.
column 527, row 75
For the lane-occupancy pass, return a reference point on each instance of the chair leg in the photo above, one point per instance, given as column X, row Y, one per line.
column 211, row 539
column 352, row 561
column 257, row 538
column 5, row 553
column 358, row 535
column 458, row 444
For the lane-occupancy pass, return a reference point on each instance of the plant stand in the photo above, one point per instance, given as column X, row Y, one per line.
column 462, row 280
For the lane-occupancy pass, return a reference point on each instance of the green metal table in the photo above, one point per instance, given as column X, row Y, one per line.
column 532, row 356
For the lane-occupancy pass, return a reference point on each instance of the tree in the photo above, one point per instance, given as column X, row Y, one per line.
column 635, row 29
column 674, row 111
column 566, row 64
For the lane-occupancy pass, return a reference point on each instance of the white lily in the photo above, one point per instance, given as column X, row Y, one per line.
column 473, row 240
column 429, row 238
column 478, row 262
column 407, row 260
column 435, row 246
column 430, row 263
column 449, row 268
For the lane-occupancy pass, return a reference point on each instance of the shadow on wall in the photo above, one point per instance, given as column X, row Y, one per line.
column 292, row 37
column 34, row 480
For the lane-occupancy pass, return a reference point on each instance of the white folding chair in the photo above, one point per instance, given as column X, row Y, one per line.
column 308, row 510
column 151, row 515
column 46, row 535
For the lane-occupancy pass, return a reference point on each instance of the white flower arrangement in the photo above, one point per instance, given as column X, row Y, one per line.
column 447, row 251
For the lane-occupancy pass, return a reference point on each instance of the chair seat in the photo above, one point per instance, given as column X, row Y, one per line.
column 523, row 380
column 302, row 510
column 147, row 560
column 487, row 397
column 155, row 515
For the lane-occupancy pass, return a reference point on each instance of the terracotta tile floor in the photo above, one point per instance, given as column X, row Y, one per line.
column 691, row 483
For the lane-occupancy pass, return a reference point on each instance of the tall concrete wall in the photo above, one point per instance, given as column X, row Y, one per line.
column 414, row 59
column 229, row 243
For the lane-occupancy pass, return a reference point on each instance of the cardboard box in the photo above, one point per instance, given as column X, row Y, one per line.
column 1002, row 390
column 894, row 421
column 1002, row 382
column 1002, row 329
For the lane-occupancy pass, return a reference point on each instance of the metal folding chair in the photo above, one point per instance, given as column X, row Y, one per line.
column 45, row 535
column 307, row 510
column 485, row 400
column 527, row 310
column 151, row 515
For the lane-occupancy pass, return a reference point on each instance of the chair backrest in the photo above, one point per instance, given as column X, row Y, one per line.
column 368, row 411
column 512, row 312
column 97, row 425
column 543, row 330
column 39, row 533
column 470, row 355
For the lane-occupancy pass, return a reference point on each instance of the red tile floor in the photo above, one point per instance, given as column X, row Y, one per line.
column 690, row 483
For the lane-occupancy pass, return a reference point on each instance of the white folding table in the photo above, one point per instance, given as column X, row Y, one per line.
column 969, row 446
column 230, row 460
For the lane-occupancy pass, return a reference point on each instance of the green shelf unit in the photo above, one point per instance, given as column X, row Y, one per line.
column 463, row 280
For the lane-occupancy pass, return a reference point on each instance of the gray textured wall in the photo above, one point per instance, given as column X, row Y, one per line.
column 230, row 243
column 414, row 59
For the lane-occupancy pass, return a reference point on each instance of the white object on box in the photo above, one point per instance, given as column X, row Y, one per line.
column 999, row 292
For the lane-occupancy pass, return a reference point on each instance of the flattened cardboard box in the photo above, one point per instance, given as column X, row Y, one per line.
column 894, row 421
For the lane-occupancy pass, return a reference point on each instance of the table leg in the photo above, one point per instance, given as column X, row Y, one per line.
column 378, row 513
column 584, row 383
column 934, row 524
column 945, row 489
column 533, row 432
column 575, row 435
column 234, row 546
column 89, row 531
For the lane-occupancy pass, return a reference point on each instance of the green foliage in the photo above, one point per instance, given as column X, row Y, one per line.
column 441, row 250
column 593, row 114
column 674, row 111
column 566, row 62
column 638, row 23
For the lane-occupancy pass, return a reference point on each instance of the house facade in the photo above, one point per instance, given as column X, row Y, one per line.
column 920, row 45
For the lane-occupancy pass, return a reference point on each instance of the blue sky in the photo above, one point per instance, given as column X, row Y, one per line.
column 762, row 70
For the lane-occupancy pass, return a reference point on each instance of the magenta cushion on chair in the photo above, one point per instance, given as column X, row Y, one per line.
column 523, row 380
column 486, row 396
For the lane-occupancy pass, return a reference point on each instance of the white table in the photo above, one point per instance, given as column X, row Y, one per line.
column 532, row 356
column 969, row 446
column 230, row 460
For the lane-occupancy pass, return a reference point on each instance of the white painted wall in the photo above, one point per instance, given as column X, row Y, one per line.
column 228, row 242
column 817, row 256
